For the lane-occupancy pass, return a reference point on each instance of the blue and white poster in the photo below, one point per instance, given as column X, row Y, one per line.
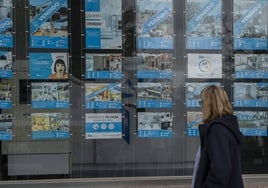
column 151, row 65
column 193, row 91
column 103, row 125
column 6, row 93
column 204, row 24
column 50, row 95
column 50, row 125
column 193, row 120
column 5, row 64
column 155, row 124
column 103, row 66
column 6, row 132
column 204, row 65
column 103, row 96
column 251, row 66
column 48, row 24
column 103, row 24
column 6, row 23
column 251, row 94
column 154, row 24
column 250, row 22
column 154, row 95
column 252, row 123
column 48, row 65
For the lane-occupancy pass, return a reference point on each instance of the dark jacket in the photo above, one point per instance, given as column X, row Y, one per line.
column 220, row 163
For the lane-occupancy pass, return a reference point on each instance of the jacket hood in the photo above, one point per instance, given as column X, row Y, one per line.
column 231, row 123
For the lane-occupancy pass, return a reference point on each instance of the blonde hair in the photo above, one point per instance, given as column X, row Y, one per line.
column 215, row 103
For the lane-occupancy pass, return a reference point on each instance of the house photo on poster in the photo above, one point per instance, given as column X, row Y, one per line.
column 103, row 96
column 154, row 24
column 251, row 66
column 204, row 66
column 48, row 65
column 6, row 93
column 204, row 24
column 50, row 125
column 49, row 24
column 50, row 95
column 250, row 22
column 103, row 24
column 155, row 124
column 103, row 66
column 150, row 65
column 193, row 120
column 6, row 23
column 250, row 94
column 252, row 123
column 154, row 95
column 103, row 125
column 5, row 64
column 6, row 132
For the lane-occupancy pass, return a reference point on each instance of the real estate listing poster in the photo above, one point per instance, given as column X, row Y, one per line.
column 6, row 93
column 193, row 91
column 49, row 24
column 250, row 23
column 5, row 64
column 193, row 120
column 103, row 24
column 50, row 95
column 204, row 66
column 251, row 66
column 252, row 123
column 155, row 124
column 46, row 65
column 154, row 95
column 250, row 94
column 6, row 132
column 103, row 96
column 103, row 125
column 50, row 125
column 204, row 24
column 150, row 65
column 6, row 23
column 154, row 24
column 103, row 66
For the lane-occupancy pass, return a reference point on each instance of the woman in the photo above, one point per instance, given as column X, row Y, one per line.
column 60, row 70
column 219, row 165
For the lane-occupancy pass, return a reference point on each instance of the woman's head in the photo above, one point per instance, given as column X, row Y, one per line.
column 59, row 65
column 215, row 103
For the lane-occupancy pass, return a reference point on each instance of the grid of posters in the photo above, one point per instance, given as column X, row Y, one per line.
column 5, row 64
column 48, row 65
column 204, row 66
column 103, row 96
column 151, row 65
column 154, row 95
column 251, row 66
column 6, row 23
column 204, row 24
column 103, row 24
column 252, row 123
column 250, row 94
column 48, row 24
column 5, row 93
column 103, row 66
column 154, row 23
column 103, row 125
column 193, row 120
column 50, row 125
column 193, row 91
column 50, row 95
column 6, row 127
column 155, row 124
column 250, row 21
